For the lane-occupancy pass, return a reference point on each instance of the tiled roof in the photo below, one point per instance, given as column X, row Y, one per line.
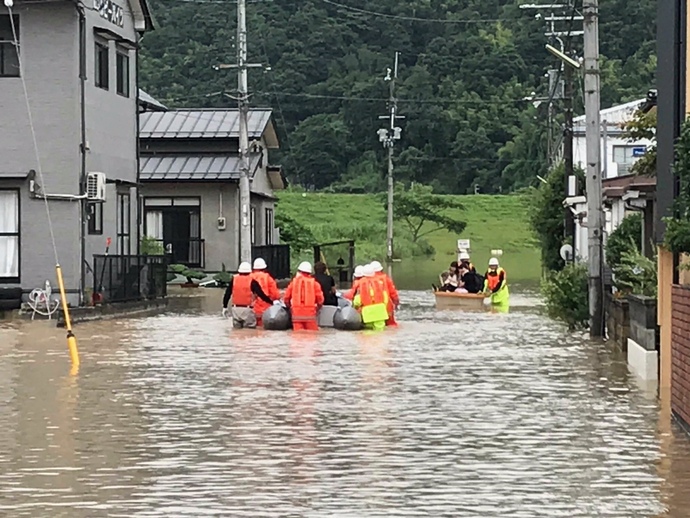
column 193, row 168
column 201, row 124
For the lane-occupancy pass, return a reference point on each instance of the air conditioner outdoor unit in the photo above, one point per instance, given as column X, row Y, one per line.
column 95, row 187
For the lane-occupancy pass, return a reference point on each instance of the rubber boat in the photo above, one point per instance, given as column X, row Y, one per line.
column 453, row 300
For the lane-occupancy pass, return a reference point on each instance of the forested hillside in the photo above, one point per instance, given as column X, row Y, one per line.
column 466, row 67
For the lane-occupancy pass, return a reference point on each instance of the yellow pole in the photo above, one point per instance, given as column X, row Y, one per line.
column 71, row 339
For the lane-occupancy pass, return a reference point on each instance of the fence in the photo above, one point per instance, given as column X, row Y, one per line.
column 124, row 278
column 189, row 252
column 277, row 258
column 339, row 258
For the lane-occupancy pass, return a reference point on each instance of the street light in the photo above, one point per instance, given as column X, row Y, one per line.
column 562, row 56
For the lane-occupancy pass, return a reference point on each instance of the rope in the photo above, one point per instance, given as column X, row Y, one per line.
column 8, row 4
column 40, row 302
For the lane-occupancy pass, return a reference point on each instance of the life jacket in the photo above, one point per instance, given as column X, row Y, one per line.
column 269, row 287
column 304, row 293
column 350, row 295
column 391, row 291
column 242, row 290
column 492, row 279
column 374, row 299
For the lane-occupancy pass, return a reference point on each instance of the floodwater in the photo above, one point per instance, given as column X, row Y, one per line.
column 451, row 414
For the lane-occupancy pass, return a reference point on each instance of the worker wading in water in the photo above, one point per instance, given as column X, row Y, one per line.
column 357, row 277
column 373, row 299
column 389, row 288
column 268, row 286
column 495, row 283
column 242, row 291
column 304, row 298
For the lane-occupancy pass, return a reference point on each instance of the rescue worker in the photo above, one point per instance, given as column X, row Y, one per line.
column 268, row 286
column 242, row 291
column 356, row 278
column 304, row 298
column 372, row 298
column 495, row 283
column 389, row 287
column 465, row 262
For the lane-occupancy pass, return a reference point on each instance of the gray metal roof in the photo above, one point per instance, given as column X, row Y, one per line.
column 201, row 124
column 193, row 168
column 150, row 102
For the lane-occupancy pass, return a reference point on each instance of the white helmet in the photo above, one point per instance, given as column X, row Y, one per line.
column 259, row 264
column 368, row 271
column 304, row 267
column 245, row 268
column 359, row 272
column 376, row 266
column 493, row 261
column 464, row 256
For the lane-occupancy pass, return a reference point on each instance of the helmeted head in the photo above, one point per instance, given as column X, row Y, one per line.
column 304, row 267
column 359, row 272
column 376, row 266
column 368, row 271
column 244, row 268
column 260, row 264
column 464, row 256
column 493, row 264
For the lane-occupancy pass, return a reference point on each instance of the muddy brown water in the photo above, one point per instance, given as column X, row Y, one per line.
column 451, row 414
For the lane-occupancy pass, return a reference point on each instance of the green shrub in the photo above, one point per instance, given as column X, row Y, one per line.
column 625, row 239
column 566, row 295
column 150, row 246
column 636, row 274
column 184, row 271
column 223, row 277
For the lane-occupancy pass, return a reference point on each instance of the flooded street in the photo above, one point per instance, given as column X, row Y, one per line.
column 451, row 414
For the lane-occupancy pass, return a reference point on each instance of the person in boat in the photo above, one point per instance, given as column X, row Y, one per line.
column 304, row 298
column 356, row 278
column 450, row 279
column 268, row 286
column 243, row 290
column 372, row 300
column 495, row 283
column 327, row 283
column 392, row 292
column 465, row 261
column 470, row 280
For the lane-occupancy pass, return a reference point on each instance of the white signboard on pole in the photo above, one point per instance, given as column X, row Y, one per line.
column 463, row 244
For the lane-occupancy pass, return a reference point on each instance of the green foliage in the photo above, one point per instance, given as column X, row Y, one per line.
column 461, row 86
column 566, row 295
column 294, row 233
column 422, row 212
column 626, row 238
column 643, row 126
column 223, row 277
column 677, row 235
column 636, row 274
column 546, row 218
column 150, row 246
column 184, row 271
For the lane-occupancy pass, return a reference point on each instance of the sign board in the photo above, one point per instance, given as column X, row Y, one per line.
column 110, row 11
column 463, row 244
column 639, row 151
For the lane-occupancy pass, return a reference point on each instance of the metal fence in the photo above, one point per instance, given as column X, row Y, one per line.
column 277, row 258
column 124, row 278
column 189, row 252
column 339, row 258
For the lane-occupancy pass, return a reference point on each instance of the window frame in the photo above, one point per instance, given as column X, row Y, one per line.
column 121, row 220
column 99, row 47
column 18, row 235
column 9, row 44
column 95, row 218
column 122, row 55
column 269, row 215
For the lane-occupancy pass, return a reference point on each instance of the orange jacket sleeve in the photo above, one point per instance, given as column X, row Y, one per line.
column 274, row 292
column 392, row 292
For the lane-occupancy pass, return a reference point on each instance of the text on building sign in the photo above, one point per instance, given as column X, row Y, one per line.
column 110, row 11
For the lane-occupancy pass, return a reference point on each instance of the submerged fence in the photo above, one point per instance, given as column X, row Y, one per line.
column 124, row 278
column 277, row 259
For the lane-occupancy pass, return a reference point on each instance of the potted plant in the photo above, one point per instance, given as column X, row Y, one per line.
column 223, row 277
column 184, row 271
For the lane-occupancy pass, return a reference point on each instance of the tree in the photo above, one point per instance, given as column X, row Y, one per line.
column 547, row 218
column 422, row 212
column 643, row 127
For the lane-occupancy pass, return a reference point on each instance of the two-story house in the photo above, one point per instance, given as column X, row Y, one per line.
column 190, row 171
column 77, row 60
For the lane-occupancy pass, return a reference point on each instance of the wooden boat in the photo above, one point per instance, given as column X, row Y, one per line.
column 452, row 300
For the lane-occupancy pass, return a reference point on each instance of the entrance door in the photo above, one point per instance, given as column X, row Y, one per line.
column 176, row 234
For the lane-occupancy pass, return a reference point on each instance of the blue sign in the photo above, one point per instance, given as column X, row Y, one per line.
column 639, row 151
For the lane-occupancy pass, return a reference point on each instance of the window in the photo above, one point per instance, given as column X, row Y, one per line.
column 269, row 226
column 95, row 215
column 9, row 52
column 9, row 236
column 123, row 223
column 623, row 156
column 102, row 72
column 252, row 222
column 122, row 73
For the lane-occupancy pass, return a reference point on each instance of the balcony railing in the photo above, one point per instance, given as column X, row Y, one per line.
column 124, row 278
column 277, row 259
column 190, row 252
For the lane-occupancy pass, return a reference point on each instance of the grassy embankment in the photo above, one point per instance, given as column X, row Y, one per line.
column 493, row 222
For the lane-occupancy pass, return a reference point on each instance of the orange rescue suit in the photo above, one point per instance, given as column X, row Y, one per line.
column 303, row 296
column 355, row 284
column 269, row 287
column 242, row 290
column 393, row 297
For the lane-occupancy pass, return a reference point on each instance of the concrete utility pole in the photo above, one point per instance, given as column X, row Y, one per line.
column 388, row 137
column 594, row 197
column 568, row 152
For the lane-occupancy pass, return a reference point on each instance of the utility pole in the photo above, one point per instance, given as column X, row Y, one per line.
column 568, row 153
column 388, row 137
column 243, row 106
column 594, row 196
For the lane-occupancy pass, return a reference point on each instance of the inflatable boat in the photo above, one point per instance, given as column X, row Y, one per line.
column 453, row 300
column 342, row 317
